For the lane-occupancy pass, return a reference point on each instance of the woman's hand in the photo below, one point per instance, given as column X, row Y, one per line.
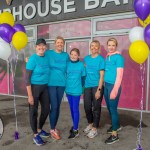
column 97, row 95
column 113, row 93
column 26, row 59
column 31, row 100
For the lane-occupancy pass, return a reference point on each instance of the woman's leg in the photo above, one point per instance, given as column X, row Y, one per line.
column 44, row 101
column 70, row 101
column 96, row 107
column 60, row 93
column 114, row 112
column 88, row 104
column 53, row 106
column 33, row 113
column 106, row 97
column 113, row 104
column 56, row 94
column 76, row 112
column 33, row 109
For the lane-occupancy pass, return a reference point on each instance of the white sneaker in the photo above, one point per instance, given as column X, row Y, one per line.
column 87, row 129
column 92, row 133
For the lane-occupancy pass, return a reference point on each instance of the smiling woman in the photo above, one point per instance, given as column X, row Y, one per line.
column 37, row 75
column 1, row 128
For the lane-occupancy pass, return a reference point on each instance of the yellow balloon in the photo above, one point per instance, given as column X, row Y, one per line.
column 139, row 51
column 19, row 40
column 8, row 18
column 145, row 22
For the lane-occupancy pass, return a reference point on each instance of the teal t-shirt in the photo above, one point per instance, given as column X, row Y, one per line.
column 93, row 67
column 111, row 64
column 58, row 64
column 75, row 71
column 40, row 69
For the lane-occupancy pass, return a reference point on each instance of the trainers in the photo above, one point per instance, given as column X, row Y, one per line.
column 112, row 139
column 38, row 140
column 54, row 134
column 92, row 133
column 87, row 129
column 73, row 134
column 43, row 134
column 110, row 129
column 57, row 131
column 71, row 130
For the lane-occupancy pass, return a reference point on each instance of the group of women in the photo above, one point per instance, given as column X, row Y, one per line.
column 93, row 77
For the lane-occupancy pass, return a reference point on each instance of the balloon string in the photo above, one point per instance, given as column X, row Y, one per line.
column 14, row 95
column 139, row 134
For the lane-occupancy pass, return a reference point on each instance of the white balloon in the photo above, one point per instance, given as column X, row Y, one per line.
column 5, row 50
column 136, row 33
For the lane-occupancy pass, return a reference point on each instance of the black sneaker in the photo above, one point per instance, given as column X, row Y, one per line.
column 110, row 129
column 73, row 134
column 71, row 130
column 112, row 139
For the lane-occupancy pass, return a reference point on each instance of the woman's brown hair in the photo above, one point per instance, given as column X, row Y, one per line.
column 75, row 50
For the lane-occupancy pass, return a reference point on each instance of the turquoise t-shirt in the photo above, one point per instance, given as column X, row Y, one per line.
column 93, row 67
column 111, row 64
column 75, row 71
column 40, row 69
column 58, row 64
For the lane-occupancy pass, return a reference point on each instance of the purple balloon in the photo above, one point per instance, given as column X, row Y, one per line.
column 147, row 35
column 142, row 8
column 6, row 32
column 19, row 27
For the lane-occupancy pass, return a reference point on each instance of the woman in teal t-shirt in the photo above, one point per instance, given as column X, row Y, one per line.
column 74, row 84
column 114, row 66
column 93, row 93
column 57, row 82
column 37, row 74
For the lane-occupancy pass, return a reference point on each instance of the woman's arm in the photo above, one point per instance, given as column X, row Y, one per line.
column 117, row 84
column 28, row 86
column 118, row 78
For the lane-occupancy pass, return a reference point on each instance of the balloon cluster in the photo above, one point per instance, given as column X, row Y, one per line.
column 139, row 49
column 140, row 36
column 11, row 32
column 16, row 35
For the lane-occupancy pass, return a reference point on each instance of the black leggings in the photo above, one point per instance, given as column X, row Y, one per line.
column 92, row 106
column 40, row 94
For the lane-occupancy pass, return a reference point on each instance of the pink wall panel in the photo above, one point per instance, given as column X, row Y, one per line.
column 116, row 24
column 66, row 29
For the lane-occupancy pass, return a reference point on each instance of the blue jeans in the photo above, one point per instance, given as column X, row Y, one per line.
column 74, row 109
column 112, row 105
column 56, row 94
